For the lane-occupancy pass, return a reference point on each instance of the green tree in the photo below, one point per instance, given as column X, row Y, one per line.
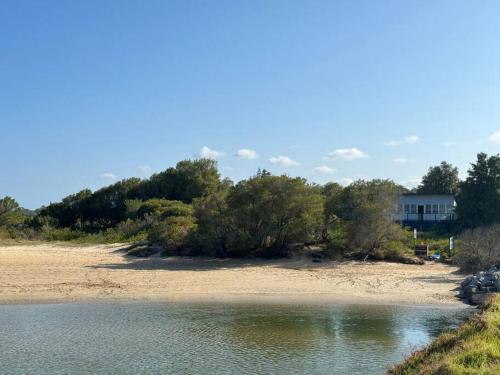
column 106, row 207
column 215, row 223
column 478, row 203
column 368, row 209
column 10, row 212
column 68, row 212
column 188, row 180
column 271, row 213
column 332, row 192
column 440, row 179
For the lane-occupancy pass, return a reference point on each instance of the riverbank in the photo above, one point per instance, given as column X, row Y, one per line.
column 46, row 273
column 474, row 348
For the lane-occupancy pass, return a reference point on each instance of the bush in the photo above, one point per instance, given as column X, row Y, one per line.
column 173, row 233
column 478, row 248
column 337, row 242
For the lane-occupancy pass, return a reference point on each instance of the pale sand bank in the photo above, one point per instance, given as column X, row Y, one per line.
column 54, row 273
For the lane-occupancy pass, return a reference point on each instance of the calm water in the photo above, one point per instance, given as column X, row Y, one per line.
column 186, row 339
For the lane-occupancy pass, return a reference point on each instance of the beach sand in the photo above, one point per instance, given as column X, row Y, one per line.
column 58, row 273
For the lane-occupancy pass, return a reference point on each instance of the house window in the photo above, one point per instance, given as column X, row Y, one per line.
column 442, row 208
column 407, row 208
column 428, row 209
column 413, row 208
column 435, row 208
column 449, row 209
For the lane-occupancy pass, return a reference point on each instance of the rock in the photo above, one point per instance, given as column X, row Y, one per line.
column 469, row 291
column 466, row 281
column 476, row 288
column 479, row 298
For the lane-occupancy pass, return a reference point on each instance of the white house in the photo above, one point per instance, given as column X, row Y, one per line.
column 426, row 208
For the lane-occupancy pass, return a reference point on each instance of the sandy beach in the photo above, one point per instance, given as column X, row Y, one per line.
column 57, row 273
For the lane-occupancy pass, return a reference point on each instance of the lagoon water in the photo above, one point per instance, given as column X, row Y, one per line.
column 131, row 338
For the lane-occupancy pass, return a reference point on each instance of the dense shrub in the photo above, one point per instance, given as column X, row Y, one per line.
column 478, row 248
column 173, row 233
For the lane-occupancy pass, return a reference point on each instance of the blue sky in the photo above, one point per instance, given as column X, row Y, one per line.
column 95, row 91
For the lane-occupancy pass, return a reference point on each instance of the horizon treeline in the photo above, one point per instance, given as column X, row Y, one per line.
column 190, row 209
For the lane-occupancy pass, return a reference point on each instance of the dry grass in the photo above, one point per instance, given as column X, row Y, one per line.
column 474, row 348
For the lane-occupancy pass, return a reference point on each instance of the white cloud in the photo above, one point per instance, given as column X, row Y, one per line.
column 408, row 140
column 347, row 154
column 208, row 153
column 400, row 160
column 412, row 139
column 247, row 154
column 346, row 181
column 495, row 137
column 284, row 160
column 412, row 182
column 108, row 175
column 324, row 169
column 393, row 143
column 448, row 144
column 144, row 168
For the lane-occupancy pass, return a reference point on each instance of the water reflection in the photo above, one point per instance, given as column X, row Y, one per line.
column 157, row 338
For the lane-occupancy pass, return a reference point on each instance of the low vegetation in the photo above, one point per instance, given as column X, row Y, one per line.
column 474, row 348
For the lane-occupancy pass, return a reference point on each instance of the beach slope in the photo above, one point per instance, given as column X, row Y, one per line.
column 61, row 273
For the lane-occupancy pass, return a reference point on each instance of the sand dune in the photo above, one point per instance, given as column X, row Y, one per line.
column 56, row 273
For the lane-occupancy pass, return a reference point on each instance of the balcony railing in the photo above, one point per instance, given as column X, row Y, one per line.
column 426, row 217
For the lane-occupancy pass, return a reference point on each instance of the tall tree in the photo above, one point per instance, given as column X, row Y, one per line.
column 332, row 192
column 188, row 180
column 478, row 203
column 270, row 213
column 215, row 225
column 368, row 208
column 440, row 179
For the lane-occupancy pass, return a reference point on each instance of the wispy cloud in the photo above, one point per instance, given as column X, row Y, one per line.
column 107, row 175
column 324, row 169
column 347, row 154
column 400, row 160
column 246, row 153
column 208, row 153
column 495, row 137
column 448, row 144
column 407, row 140
column 284, row 160
column 144, row 168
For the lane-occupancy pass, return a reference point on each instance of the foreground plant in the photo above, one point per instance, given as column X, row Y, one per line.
column 474, row 348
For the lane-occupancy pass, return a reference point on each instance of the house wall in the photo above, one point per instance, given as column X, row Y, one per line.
column 436, row 207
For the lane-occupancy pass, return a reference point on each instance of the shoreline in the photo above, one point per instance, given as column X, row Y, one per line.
column 46, row 273
column 239, row 300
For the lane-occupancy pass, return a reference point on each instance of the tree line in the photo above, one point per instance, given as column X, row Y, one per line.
column 190, row 209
